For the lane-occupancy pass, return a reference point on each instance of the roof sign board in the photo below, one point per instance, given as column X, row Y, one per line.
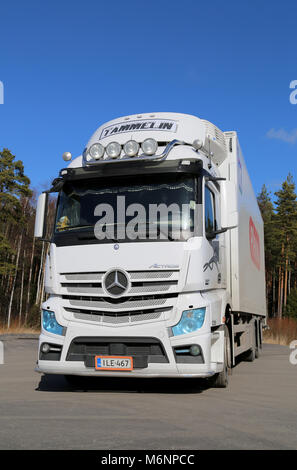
column 139, row 125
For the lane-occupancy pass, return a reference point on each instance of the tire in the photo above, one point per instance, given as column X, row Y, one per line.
column 221, row 379
column 251, row 354
column 259, row 345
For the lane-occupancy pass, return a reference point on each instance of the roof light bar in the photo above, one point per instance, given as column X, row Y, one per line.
column 112, row 152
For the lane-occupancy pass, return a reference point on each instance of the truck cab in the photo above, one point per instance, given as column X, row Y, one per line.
column 156, row 247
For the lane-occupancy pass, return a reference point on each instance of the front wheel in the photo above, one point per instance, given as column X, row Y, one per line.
column 221, row 379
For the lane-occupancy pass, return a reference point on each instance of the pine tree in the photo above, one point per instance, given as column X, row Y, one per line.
column 286, row 232
column 14, row 185
column 291, row 307
column 271, row 245
column 14, row 200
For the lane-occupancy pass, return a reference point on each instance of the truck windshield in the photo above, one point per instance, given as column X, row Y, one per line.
column 132, row 208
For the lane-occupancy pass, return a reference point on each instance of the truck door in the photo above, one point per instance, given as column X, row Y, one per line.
column 212, row 266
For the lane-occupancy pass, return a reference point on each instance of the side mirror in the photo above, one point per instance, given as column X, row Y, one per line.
column 212, row 235
column 39, row 230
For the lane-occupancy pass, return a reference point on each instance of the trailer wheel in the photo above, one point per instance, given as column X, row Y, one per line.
column 251, row 354
column 221, row 379
column 258, row 337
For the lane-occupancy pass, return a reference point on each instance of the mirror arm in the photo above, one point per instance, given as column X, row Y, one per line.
column 217, row 232
column 215, row 178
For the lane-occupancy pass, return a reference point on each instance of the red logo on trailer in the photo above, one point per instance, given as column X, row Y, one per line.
column 254, row 244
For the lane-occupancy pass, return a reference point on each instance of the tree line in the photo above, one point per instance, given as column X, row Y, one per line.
column 280, row 235
column 22, row 258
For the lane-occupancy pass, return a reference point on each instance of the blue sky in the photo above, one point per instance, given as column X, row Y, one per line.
column 69, row 66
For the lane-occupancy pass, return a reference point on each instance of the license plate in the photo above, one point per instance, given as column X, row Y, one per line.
column 113, row 363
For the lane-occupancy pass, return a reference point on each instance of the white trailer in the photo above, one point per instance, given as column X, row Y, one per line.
column 155, row 265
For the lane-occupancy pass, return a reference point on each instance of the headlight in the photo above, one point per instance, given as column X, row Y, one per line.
column 149, row 146
column 191, row 320
column 131, row 148
column 96, row 151
column 113, row 149
column 50, row 323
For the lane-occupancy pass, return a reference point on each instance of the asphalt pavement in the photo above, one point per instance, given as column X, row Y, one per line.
column 257, row 411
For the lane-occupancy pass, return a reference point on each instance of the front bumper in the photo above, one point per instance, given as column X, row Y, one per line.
column 159, row 331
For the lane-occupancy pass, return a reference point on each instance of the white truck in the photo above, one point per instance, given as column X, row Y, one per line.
column 155, row 265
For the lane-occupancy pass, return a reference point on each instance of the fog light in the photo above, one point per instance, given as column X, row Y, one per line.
column 96, row 151
column 194, row 350
column 149, row 146
column 45, row 348
column 113, row 149
column 131, row 148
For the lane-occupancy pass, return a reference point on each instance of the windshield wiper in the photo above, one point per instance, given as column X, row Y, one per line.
column 73, row 227
column 147, row 232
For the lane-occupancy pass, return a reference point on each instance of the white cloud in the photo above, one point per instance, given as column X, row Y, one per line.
column 282, row 134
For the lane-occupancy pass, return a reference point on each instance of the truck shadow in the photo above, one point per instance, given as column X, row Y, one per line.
column 58, row 383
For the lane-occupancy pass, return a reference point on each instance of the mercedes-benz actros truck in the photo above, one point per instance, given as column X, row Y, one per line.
column 155, row 264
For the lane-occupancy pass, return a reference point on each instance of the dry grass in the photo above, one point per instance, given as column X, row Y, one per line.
column 281, row 331
column 17, row 329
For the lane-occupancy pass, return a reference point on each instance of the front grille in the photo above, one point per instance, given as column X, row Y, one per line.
column 117, row 304
column 118, row 318
column 142, row 282
column 134, row 275
column 143, row 350
column 137, row 288
column 83, row 295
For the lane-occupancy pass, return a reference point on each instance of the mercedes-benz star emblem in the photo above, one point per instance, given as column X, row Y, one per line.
column 116, row 282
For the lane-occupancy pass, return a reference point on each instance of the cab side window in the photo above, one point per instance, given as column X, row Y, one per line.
column 210, row 213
